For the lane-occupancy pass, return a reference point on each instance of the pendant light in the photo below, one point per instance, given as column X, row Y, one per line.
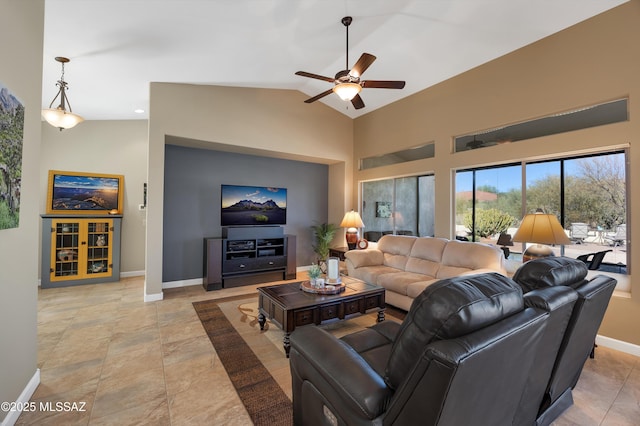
column 59, row 117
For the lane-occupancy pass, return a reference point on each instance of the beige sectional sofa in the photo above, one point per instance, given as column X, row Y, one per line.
column 406, row 265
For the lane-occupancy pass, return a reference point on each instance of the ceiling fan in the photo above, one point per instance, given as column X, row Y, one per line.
column 475, row 143
column 347, row 83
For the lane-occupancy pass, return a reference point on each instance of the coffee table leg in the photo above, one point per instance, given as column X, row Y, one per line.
column 261, row 320
column 287, row 344
column 381, row 315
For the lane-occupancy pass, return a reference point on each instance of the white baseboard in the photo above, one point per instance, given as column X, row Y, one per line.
column 618, row 345
column 130, row 274
column 12, row 416
column 199, row 281
column 182, row 283
column 153, row 297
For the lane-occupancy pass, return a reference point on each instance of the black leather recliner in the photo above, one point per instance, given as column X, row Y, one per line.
column 462, row 356
column 560, row 361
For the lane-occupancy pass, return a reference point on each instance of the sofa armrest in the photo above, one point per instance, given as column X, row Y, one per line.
column 368, row 257
column 339, row 373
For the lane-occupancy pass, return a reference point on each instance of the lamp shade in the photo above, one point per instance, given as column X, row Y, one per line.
column 347, row 91
column 504, row 240
column 351, row 220
column 60, row 118
column 541, row 228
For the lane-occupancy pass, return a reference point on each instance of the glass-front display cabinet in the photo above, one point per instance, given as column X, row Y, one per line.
column 80, row 250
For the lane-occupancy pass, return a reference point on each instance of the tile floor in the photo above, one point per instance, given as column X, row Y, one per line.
column 138, row 363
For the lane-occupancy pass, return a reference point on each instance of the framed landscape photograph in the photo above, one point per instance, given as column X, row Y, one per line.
column 84, row 193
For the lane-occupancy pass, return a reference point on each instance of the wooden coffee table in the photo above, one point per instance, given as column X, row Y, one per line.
column 287, row 306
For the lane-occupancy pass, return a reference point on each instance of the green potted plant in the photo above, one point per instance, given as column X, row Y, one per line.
column 324, row 233
column 314, row 273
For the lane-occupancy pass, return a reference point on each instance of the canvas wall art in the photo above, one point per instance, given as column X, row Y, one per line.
column 11, row 139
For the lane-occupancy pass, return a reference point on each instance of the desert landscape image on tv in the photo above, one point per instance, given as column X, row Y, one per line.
column 253, row 205
column 84, row 193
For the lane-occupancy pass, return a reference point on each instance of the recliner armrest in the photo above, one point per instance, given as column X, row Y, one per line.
column 342, row 376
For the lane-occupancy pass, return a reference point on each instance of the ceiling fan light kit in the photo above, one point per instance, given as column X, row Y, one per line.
column 347, row 84
column 347, row 91
column 59, row 117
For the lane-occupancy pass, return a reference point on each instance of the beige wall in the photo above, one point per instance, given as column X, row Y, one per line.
column 22, row 24
column 593, row 62
column 259, row 121
column 112, row 147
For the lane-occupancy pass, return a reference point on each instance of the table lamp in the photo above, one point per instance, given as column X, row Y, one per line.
column 352, row 222
column 540, row 228
column 504, row 241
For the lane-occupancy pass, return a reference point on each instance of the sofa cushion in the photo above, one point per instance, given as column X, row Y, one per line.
column 371, row 274
column 399, row 281
column 460, row 257
column 414, row 289
column 549, row 272
column 426, row 255
column 448, row 309
column 396, row 249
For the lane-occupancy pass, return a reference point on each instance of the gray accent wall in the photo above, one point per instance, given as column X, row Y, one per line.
column 192, row 201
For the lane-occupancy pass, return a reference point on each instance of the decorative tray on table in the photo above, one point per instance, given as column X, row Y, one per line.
column 327, row 289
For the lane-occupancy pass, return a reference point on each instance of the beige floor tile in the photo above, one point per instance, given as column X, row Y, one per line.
column 123, row 341
column 180, row 376
column 137, row 363
column 124, row 365
column 67, row 377
column 210, row 400
column 121, row 392
column 79, row 400
column 69, row 351
column 154, row 413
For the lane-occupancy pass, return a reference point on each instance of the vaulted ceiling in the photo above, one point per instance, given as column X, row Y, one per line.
column 117, row 47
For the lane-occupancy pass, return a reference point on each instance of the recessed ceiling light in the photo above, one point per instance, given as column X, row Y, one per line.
column 138, row 111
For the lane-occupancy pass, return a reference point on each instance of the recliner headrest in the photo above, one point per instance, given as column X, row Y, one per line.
column 549, row 272
column 448, row 309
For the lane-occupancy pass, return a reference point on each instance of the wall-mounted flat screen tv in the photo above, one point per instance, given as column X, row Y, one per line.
column 253, row 205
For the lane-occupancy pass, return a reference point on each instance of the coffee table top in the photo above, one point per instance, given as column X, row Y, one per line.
column 291, row 296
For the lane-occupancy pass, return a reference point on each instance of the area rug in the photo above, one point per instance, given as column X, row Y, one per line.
column 263, row 381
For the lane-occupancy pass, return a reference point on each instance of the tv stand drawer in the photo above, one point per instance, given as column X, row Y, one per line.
column 253, row 264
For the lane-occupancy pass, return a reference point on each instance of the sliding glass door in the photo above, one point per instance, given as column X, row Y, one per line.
column 402, row 206
column 588, row 195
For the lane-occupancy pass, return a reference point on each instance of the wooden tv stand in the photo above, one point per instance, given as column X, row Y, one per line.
column 248, row 256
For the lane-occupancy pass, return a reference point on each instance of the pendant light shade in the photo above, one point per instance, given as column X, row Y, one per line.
column 60, row 117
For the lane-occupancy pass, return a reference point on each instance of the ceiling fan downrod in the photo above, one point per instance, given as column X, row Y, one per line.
column 346, row 21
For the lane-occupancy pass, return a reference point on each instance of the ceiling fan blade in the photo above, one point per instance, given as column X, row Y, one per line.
column 383, row 84
column 361, row 66
column 316, row 76
column 320, row 96
column 357, row 102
